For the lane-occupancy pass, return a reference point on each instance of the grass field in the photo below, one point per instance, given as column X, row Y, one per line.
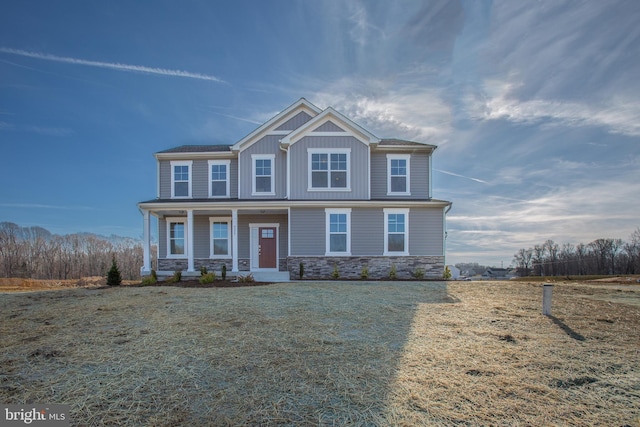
column 356, row 353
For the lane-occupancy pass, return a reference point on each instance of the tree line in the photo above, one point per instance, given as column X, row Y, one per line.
column 600, row 257
column 36, row 253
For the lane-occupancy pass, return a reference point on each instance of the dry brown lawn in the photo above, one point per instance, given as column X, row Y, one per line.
column 333, row 353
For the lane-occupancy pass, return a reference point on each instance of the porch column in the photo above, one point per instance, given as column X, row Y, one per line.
column 234, row 240
column 146, row 245
column 190, row 267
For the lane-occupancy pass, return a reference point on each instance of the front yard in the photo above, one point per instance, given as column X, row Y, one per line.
column 356, row 353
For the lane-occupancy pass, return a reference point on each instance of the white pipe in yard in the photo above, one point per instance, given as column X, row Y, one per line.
column 547, row 291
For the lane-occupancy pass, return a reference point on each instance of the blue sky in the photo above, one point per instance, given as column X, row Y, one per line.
column 535, row 106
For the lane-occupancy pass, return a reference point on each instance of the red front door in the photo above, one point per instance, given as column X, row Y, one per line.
column 267, row 247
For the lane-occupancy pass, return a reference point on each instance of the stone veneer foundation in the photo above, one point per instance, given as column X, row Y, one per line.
column 321, row 268
column 167, row 264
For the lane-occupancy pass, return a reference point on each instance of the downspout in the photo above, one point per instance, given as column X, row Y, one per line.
column 288, row 163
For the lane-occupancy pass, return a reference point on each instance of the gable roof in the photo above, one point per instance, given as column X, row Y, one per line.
column 276, row 121
column 337, row 119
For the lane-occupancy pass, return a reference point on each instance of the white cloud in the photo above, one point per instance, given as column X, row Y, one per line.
column 111, row 65
column 617, row 115
column 411, row 111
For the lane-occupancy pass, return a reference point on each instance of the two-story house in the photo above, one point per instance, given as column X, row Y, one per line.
column 308, row 186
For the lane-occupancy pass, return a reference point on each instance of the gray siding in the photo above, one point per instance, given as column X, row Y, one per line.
column 425, row 231
column 359, row 168
column 165, row 179
column 243, row 232
column 200, row 179
column 295, row 122
column 329, row 127
column 162, row 238
column 307, row 231
column 201, row 233
column 269, row 144
column 419, row 176
column 367, row 229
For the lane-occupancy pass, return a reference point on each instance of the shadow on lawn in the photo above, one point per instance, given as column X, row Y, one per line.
column 573, row 334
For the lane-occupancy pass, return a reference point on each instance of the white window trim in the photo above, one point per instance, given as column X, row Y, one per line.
column 327, row 221
column 255, row 157
column 406, row 157
column 177, row 220
column 227, row 163
column 226, row 219
column 173, row 178
column 388, row 211
column 328, row 152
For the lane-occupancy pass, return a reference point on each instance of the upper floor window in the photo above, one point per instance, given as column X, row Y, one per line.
column 181, row 179
column 176, row 238
column 338, row 231
column 220, row 237
column 219, row 179
column 398, row 174
column 396, row 231
column 329, row 169
column 263, row 172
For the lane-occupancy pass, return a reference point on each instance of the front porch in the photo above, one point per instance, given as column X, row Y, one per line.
column 244, row 240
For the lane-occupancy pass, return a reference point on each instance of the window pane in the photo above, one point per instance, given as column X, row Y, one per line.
column 181, row 189
column 263, row 167
column 181, row 173
column 219, row 172
column 398, row 167
column 398, row 184
column 339, row 162
column 319, row 179
column 396, row 223
column 263, row 184
column 220, row 246
column 396, row 243
column 319, row 162
column 338, row 243
column 176, row 230
column 177, row 246
column 338, row 180
column 218, row 188
column 338, row 223
column 220, row 230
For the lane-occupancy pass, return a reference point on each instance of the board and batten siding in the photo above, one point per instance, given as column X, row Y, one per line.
column 295, row 122
column 418, row 178
column 199, row 179
column 269, row 144
column 358, row 168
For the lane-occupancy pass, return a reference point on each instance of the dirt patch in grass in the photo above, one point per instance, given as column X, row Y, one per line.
column 356, row 353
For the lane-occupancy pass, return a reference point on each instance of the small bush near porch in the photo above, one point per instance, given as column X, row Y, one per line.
column 357, row 353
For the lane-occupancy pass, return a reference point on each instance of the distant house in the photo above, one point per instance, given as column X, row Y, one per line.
column 455, row 272
column 496, row 273
column 308, row 187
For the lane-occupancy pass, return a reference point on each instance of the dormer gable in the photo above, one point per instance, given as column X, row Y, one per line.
column 330, row 123
column 295, row 116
